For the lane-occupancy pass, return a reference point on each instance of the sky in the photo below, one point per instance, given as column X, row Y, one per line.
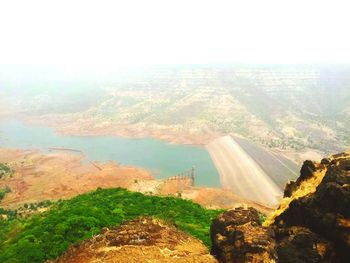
column 82, row 33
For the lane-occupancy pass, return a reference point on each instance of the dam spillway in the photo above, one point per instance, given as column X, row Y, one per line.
column 241, row 172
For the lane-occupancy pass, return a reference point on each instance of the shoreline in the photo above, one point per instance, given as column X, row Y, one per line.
column 162, row 133
column 42, row 176
column 182, row 138
column 121, row 130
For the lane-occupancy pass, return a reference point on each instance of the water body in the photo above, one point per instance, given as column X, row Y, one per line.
column 161, row 158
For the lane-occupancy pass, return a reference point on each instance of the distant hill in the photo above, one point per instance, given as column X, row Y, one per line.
column 293, row 108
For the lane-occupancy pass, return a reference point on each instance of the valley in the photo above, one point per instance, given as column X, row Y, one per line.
column 70, row 156
column 85, row 163
column 166, row 119
column 157, row 157
column 174, row 131
column 277, row 107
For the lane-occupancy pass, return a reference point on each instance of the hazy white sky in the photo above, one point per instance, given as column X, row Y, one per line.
column 106, row 33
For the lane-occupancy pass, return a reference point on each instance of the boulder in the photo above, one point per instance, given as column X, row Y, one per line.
column 237, row 236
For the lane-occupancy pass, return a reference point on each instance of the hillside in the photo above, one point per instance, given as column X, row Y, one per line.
column 310, row 225
column 274, row 106
column 140, row 240
column 49, row 234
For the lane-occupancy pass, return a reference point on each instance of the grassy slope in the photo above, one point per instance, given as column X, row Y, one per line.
column 48, row 235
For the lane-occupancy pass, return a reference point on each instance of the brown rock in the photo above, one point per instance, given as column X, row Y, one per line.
column 306, row 172
column 238, row 236
column 298, row 244
column 140, row 240
column 311, row 225
column 327, row 211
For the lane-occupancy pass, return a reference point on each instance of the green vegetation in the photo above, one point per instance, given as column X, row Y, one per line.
column 35, row 206
column 10, row 214
column 5, row 170
column 4, row 191
column 48, row 235
column 262, row 217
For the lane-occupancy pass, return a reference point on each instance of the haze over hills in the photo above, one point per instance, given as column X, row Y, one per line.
column 254, row 122
column 302, row 110
column 174, row 131
column 270, row 111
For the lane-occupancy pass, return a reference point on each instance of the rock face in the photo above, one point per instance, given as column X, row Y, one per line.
column 237, row 236
column 327, row 211
column 298, row 244
column 306, row 172
column 312, row 223
column 140, row 240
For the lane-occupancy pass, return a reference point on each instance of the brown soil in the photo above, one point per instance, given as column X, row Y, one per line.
column 65, row 126
column 139, row 240
column 60, row 175
column 213, row 198
column 222, row 199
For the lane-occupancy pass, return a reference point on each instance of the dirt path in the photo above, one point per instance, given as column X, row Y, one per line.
column 241, row 174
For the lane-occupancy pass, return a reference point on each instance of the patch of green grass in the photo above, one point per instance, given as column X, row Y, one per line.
column 48, row 235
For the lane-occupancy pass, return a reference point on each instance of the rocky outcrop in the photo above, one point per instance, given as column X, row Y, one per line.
column 298, row 244
column 140, row 240
column 327, row 211
column 312, row 223
column 306, row 172
column 237, row 236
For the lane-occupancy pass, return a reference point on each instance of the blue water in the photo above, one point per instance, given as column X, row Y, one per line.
column 161, row 158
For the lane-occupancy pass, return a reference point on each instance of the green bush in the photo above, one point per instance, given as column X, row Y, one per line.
column 48, row 235
column 4, row 191
column 262, row 218
column 5, row 170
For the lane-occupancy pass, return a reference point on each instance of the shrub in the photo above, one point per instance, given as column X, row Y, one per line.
column 47, row 235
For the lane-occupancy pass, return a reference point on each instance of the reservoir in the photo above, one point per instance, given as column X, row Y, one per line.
column 160, row 158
